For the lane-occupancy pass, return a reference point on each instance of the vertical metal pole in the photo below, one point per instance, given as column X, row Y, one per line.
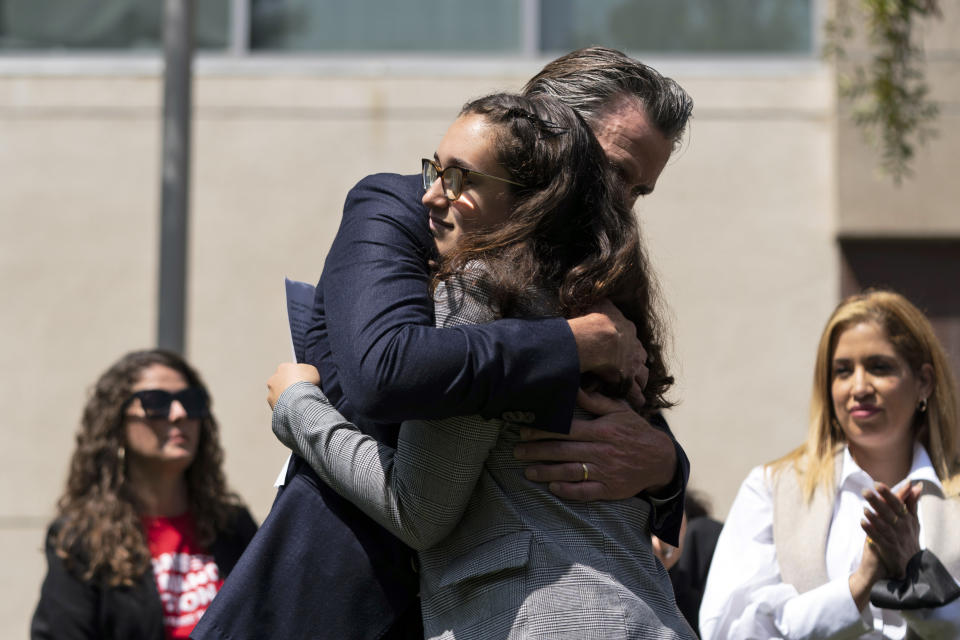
column 530, row 28
column 174, row 194
column 239, row 27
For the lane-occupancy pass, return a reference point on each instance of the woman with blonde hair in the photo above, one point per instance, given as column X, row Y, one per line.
column 147, row 529
column 851, row 534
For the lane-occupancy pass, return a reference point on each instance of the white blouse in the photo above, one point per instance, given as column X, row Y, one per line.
column 746, row 599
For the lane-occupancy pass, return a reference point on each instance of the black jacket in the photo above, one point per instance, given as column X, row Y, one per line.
column 72, row 608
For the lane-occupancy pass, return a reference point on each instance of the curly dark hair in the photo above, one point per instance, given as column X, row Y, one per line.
column 99, row 531
column 569, row 232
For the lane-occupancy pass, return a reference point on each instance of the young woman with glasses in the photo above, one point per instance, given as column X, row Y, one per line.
column 146, row 530
column 526, row 223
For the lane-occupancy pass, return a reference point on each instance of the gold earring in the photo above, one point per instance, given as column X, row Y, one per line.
column 121, row 462
column 922, row 406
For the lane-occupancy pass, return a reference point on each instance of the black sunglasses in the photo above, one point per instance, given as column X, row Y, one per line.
column 451, row 178
column 156, row 402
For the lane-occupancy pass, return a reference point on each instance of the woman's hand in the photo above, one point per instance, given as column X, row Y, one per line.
column 870, row 569
column 893, row 532
column 893, row 525
column 287, row 374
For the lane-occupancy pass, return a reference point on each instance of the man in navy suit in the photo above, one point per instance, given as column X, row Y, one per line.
column 318, row 567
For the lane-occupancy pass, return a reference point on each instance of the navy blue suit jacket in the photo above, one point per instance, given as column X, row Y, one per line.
column 318, row 567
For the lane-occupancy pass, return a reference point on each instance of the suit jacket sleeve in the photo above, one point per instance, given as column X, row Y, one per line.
column 392, row 363
column 667, row 516
column 417, row 492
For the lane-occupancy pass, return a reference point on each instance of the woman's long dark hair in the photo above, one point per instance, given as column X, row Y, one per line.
column 569, row 231
column 100, row 534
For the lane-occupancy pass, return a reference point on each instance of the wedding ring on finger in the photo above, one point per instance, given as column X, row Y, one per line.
column 586, row 474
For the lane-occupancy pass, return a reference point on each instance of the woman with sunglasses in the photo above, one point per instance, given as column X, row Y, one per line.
column 527, row 223
column 146, row 530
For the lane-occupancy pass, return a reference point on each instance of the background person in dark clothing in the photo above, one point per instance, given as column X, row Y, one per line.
column 146, row 529
column 689, row 563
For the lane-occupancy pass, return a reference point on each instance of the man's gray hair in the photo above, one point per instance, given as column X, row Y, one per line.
column 591, row 80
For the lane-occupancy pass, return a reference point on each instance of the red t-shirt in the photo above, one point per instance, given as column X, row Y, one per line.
column 187, row 576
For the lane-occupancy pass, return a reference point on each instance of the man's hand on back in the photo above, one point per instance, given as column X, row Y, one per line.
column 624, row 455
column 608, row 346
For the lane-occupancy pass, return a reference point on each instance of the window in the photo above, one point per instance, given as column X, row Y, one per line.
column 44, row 25
column 924, row 270
column 385, row 25
column 488, row 27
column 678, row 26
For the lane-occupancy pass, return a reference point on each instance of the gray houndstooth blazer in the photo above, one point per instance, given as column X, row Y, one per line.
column 500, row 556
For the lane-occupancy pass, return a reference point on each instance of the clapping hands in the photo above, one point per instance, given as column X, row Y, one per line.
column 892, row 527
column 893, row 537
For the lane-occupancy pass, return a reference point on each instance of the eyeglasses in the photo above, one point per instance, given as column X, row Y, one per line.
column 156, row 402
column 451, row 178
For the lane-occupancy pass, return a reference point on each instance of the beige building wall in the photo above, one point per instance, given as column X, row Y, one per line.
column 742, row 231
column 740, row 228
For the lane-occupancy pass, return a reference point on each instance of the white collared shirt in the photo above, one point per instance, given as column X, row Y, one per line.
column 746, row 599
